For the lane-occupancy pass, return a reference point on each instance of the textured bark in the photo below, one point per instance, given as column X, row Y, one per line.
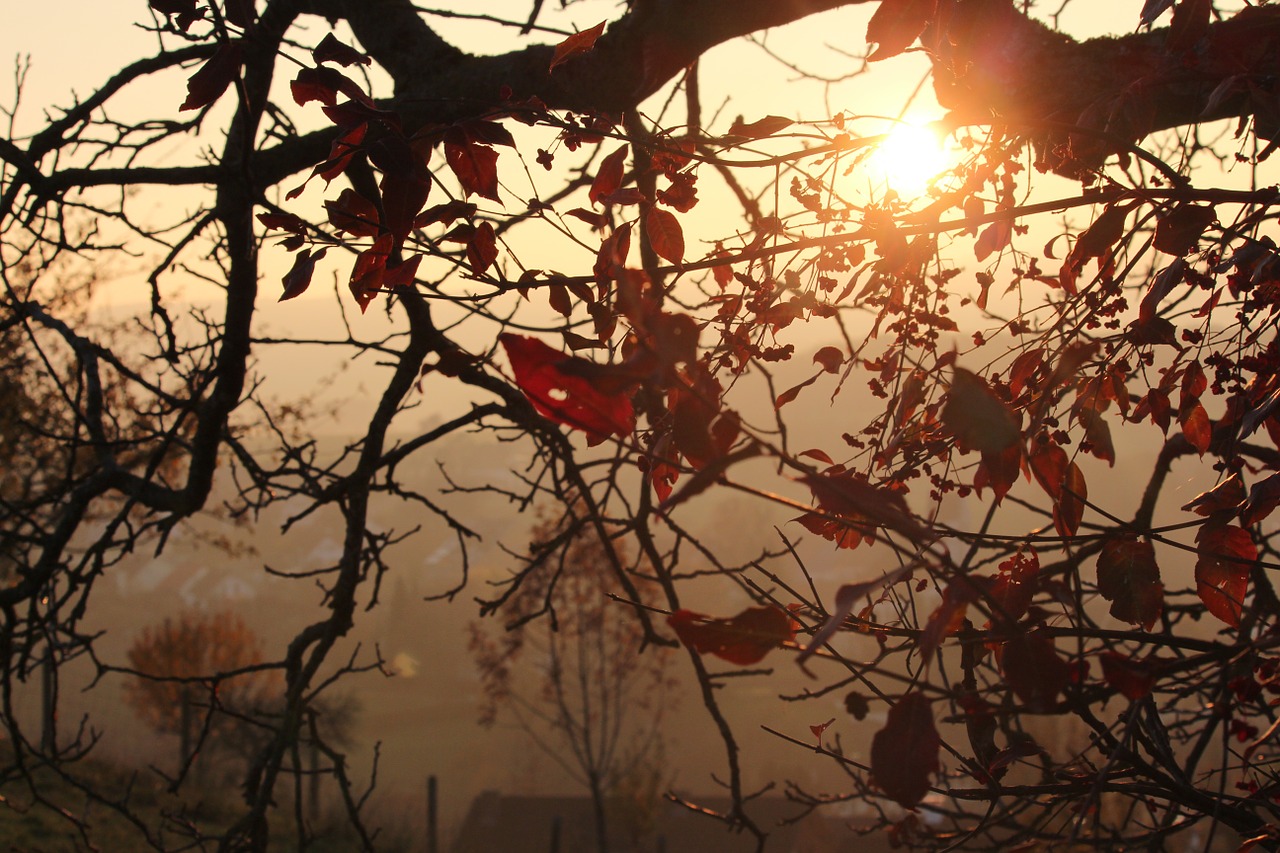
column 992, row 64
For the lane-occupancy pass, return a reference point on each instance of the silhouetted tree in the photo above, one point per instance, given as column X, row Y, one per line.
column 573, row 668
column 1099, row 258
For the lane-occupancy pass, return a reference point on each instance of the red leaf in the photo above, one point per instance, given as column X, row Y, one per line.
column 1098, row 434
column 476, row 167
column 767, row 126
column 794, row 391
column 1013, row 587
column 843, row 495
column 1025, row 366
column 743, row 639
column 999, row 470
column 904, row 754
column 976, row 417
column 595, row 220
column 682, row 194
column 895, row 25
column 341, row 153
column 369, row 269
column 1264, row 497
column 298, row 279
column 1034, row 671
column 1072, row 358
column 612, row 257
column 353, row 213
column 665, row 235
column 845, row 534
column 1197, row 429
column 1179, row 232
column 1068, row 510
column 290, row 222
column 609, row 178
column 331, row 50
column 948, row 617
column 819, row 454
column 993, row 238
column 1223, row 499
column 1049, row 465
column 575, row 45
column 1129, row 578
column 820, row 728
column 482, row 248
column 571, row 400
column 1131, row 678
column 830, row 358
column 1194, row 384
column 324, row 85
column 1226, row 554
column 212, row 79
column 447, row 213
column 1095, row 242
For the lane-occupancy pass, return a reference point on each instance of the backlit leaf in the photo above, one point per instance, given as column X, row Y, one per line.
column 820, row 728
column 609, row 177
column 1034, row 671
column 540, row 372
column 904, row 754
column 895, row 25
column 1129, row 578
column 1011, row 590
column 977, row 417
column 830, row 358
column 1225, row 555
column 993, row 238
column 575, row 45
column 1264, row 497
column 743, row 639
column 476, row 167
column 665, row 235
column 482, row 248
column 1178, row 233
column 353, row 213
column 948, row 617
column 767, row 126
column 1225, row 498
column 847, row 596
column 1048, row 463
column 1131, row 678
column 214, row 77
column 298, row 279
column 1196, row 427
column 1068, row 510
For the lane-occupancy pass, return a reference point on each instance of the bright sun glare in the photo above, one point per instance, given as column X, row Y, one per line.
column 910, row 156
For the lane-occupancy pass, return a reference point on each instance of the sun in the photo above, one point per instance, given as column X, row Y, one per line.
column 908, row 159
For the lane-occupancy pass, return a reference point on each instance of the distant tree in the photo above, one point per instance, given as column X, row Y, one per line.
column 199, row 676
column 574, row 669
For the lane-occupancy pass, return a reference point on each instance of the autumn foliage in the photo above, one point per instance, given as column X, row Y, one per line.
column 198, row 676
column 1020, row 434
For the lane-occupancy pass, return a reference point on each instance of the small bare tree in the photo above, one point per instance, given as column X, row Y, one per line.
column 573, row 669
